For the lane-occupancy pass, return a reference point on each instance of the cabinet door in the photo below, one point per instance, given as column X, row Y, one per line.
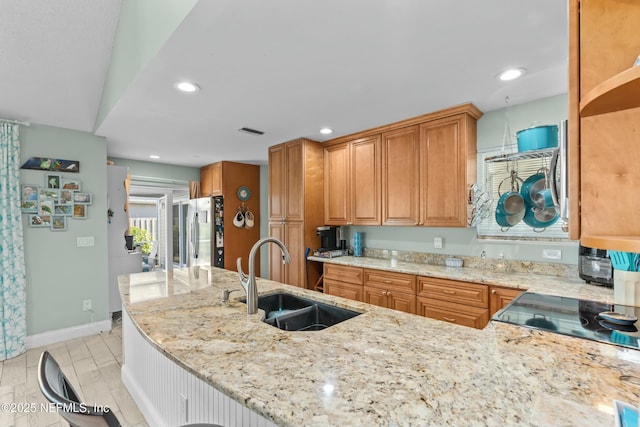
column 473, row 294
column 294, row 181
column 400, row 178
column 276, row 267
column 276, row 183
column 443, row 161
column 365, row 181
column 343, row 273
column 473, row 317
column 401, row 301
column 344, row 290
column 499, row 297
column 294, row 241
column 216, row 179
column 375, row 296
column 205, row 181
column 336, row 184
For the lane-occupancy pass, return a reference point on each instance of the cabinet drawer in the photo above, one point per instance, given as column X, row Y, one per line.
column 344, row 290
column 473, row 294
column 391, row 281
column 343, row 273
column 465, row 315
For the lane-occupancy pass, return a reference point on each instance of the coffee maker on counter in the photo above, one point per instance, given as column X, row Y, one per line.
column 332, row 242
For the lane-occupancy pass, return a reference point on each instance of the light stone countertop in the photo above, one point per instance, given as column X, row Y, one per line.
column 383, row 367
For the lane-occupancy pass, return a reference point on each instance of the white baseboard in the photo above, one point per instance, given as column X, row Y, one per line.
column 52, row 337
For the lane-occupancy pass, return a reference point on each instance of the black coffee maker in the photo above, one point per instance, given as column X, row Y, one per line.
column 328, row 237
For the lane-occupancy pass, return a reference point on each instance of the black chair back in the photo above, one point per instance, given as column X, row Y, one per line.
column 56, row 389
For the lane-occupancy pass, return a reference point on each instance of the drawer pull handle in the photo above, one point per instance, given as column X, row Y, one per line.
column 449, row 292
column 449, row 319
column 387, row 281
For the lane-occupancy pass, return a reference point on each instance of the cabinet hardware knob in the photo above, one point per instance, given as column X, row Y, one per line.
column 449, row 319
column 493, row 291
column 449, row 292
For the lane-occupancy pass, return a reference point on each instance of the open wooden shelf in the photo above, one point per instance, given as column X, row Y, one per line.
column 620, row 92
column 614, row 243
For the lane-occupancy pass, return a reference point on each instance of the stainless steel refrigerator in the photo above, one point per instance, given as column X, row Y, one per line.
column 205, row 230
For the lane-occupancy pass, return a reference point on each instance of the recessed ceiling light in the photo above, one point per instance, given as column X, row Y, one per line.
column 187, row 87
column 154, row 156
column 326, row 131
column 511, row 73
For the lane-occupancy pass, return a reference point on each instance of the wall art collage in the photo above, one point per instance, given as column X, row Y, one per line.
column 52, row 204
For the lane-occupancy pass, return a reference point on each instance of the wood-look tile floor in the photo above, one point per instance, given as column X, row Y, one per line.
column 92, row 365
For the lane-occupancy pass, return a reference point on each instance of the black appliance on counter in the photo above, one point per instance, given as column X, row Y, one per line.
column 594, row 265
column 328, row 237
column 572, row 317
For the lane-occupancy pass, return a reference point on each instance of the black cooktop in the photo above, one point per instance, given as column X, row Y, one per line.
column 573, row 317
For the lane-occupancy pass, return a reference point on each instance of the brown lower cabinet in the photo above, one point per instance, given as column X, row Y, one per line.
column 390, row 290
column 463, row 303
column 499, row 297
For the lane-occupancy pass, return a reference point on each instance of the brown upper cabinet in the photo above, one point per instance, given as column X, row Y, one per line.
column 211, row 180
column 352, row 182
column 604, row 112
column 414, row 172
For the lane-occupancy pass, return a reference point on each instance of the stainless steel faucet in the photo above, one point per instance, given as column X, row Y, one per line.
column 249, row 282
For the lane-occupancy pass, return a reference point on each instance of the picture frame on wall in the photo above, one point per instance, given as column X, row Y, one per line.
column 66, row 196
column 58, row 223
column 82, row 198
column 29, row 192
column 29, row 206
column 40, row 221
column 48, row 194
column 63, row 209
column 70, row 184
column 52, row 181
column 80, row 211
column 45, row 207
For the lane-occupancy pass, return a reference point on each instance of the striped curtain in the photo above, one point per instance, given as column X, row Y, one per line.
column 13, row 323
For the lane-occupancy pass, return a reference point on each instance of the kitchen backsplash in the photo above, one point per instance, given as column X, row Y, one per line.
column 492, row 264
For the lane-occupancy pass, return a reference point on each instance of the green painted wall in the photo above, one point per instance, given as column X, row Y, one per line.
column 464, row 241
column 59, row 274
column 144, row 26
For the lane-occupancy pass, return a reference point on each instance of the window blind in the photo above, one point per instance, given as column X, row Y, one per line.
column 491, row 174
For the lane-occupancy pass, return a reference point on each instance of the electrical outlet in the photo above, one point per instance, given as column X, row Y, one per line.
column 552, row 253
column 85, row 241
column 437, row 242
column 86, row 305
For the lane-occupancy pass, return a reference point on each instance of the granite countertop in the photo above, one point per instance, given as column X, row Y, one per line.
column 381, row 368
column 539, row 283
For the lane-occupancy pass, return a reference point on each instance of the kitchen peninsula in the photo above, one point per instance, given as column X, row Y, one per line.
column 381, row 368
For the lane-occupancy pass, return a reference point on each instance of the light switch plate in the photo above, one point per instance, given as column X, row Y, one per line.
column 437, row 242
column 85, row 241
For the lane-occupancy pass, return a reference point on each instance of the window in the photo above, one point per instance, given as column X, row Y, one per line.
column 491, row 174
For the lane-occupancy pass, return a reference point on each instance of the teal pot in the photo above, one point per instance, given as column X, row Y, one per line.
column 531, row 187
column 506, row 220
column 540, row 219
column 538, row 138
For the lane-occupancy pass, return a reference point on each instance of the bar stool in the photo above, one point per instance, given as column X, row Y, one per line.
column 56, row 388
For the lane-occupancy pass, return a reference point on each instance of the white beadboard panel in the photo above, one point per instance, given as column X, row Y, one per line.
column 158, row 385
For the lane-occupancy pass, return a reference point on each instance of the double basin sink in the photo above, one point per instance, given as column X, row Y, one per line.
column 293, row 313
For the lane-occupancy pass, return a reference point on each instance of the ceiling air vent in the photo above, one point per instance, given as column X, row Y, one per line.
column 251, row 131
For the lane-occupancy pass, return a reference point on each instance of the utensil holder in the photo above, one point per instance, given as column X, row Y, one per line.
column 626, row 287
